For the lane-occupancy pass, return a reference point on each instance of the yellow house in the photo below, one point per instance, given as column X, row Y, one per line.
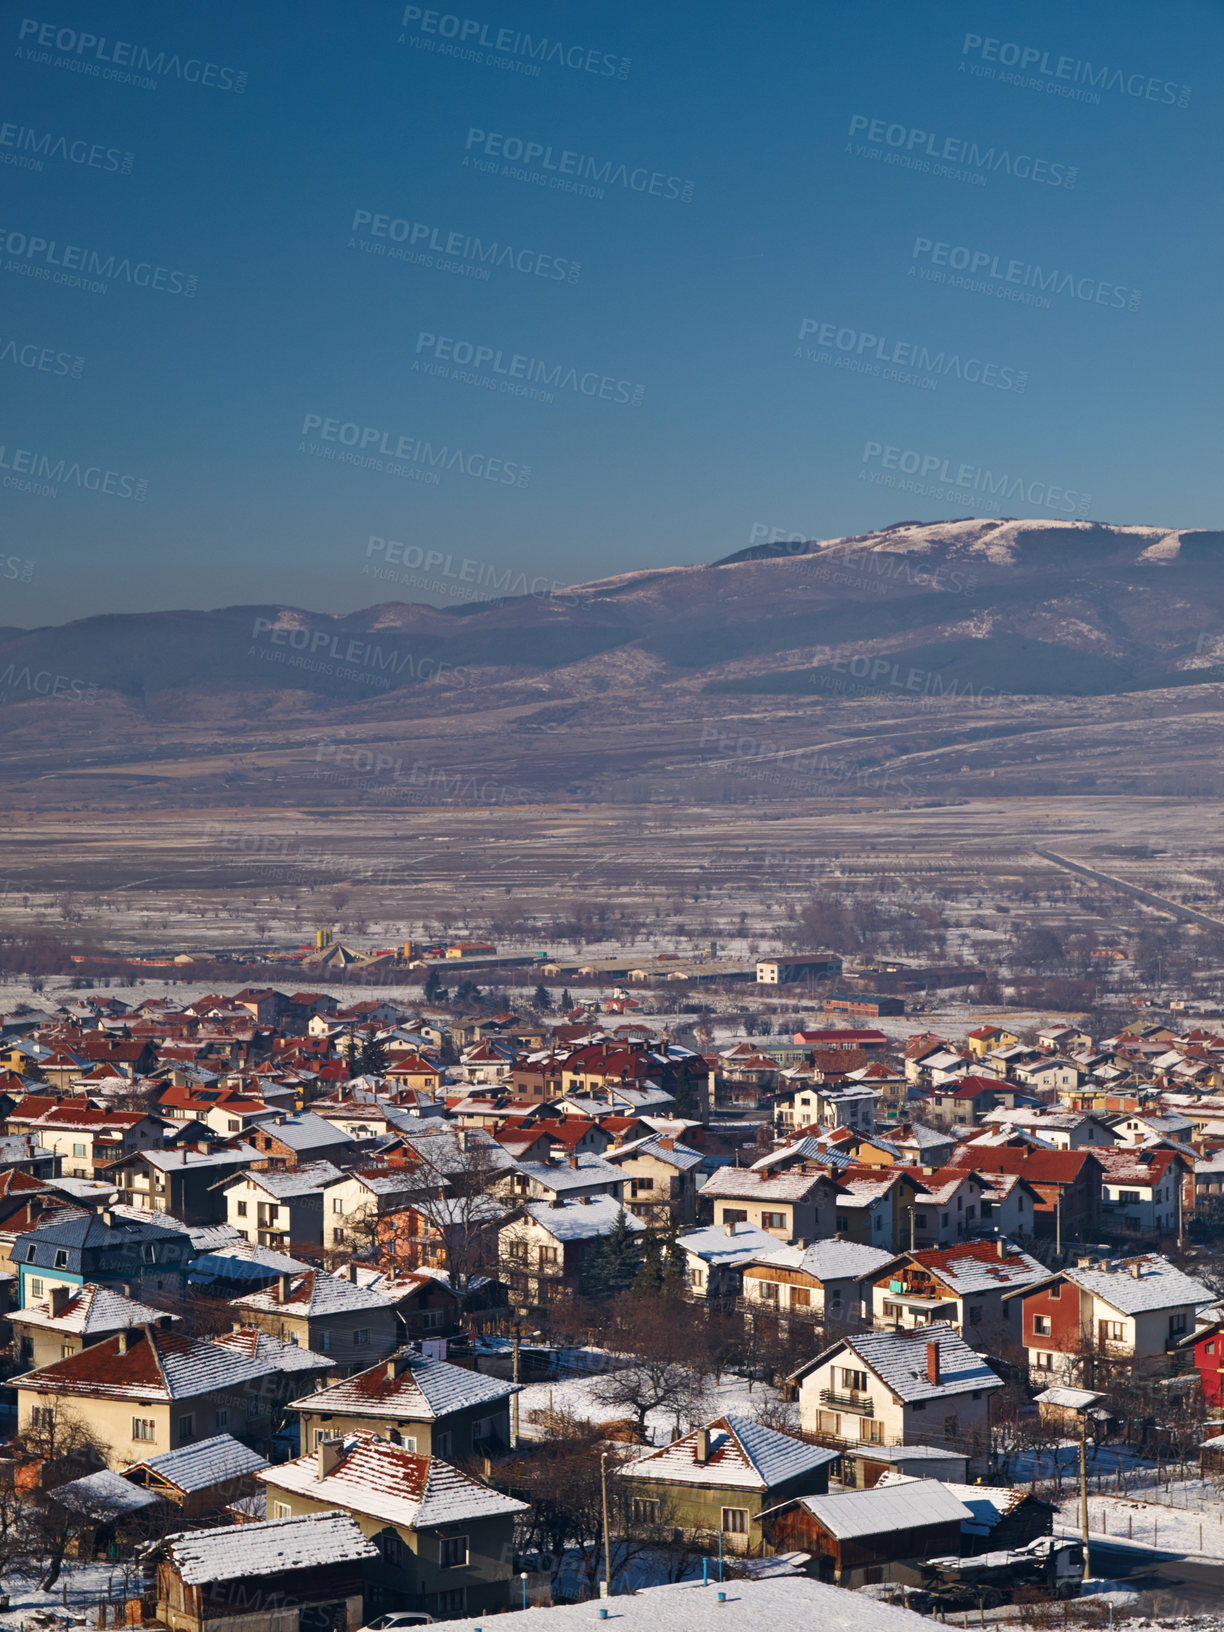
column 150, row 1390
column 445, row 1542
column 986, row 1038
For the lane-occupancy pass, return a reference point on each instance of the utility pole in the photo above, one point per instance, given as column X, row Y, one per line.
column 605, row 1586
column 1083, row 1461
column 1058, row 1222
column 514, row 1399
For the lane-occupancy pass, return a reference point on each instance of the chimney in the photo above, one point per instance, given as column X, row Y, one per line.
column 282, row 1288
column 702, row 1451
column 108, row 1217
column 1001, row 1247
column 125, row 1340
column 933, row 1363
column 352, row 1274
column 1136, row 1268
column 61, row 1297
column 331, row 1454
column 729, row 1226
column 573, row 1161
column 392, row 1370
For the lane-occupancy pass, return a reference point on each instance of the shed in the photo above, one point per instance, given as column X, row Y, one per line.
column 863, row 1465
column 202, row 1477
column 860, row 1537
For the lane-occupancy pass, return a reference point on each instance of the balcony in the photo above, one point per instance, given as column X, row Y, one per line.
column 860, row 1403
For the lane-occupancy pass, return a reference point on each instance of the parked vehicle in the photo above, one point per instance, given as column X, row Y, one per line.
column 1051, row 1564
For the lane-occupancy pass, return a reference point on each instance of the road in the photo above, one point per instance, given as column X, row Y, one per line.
column 1170, row 1584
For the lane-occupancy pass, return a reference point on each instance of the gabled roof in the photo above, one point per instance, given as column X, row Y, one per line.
column 384, row 1481
column 232, row 1552
column 830, row 1260
column 579, row 1220
column 409, row 1387
column 258, row 1345
column 901, row 1504
column 208, row 1462
column 741, row 1453
column 92, row 1309
column 975, row 1266
column 1158, row 1285
column 313, row 1294
column 158, row 1365
column 899, row 1360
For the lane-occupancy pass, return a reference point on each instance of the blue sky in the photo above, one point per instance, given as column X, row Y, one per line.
column 749, row 322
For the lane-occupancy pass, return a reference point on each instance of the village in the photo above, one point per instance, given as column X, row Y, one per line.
column 327, row 1311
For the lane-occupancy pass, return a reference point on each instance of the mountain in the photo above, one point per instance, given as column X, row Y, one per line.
column 1049, row 655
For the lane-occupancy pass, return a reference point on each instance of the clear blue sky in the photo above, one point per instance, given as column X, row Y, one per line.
column 802, row 234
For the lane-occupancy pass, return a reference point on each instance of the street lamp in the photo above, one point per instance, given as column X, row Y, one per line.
column 523, row 1579
column 605, row 1585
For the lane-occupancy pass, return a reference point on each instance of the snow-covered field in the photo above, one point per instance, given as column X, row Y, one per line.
column 579, row 1397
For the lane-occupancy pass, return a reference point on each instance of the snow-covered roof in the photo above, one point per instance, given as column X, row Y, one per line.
column 206, row 1463
column 233, row 1551
column 736, row 1183
column 409, row 1386
column 830, row 1260
column 976, row 1266
column 158, row 1365
column 741, row 1453
column 186, row 1161
column 899, row 1360
column 313, row 1294
column 1158, row 1285
column 898, row 1504
column 673, row 1152
column 305, row 1131
column 787, row 1601
column 105, row 1495
column 1069, row 1399
column 715, row 1246
column 587, row 1169
column 386, row 1482
column 579, row 1220
column 259, row 1345
column 92, row 1309
column 987, row 1504
column 286, row 1182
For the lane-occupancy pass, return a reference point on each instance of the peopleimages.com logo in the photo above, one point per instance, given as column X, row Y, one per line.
column 983, row 271
column 508, row 48
column 426, row 245
column 1074, row 77
column 26, row 147
column 955, row 158
column 76, row 267
column 122, row 61
column 862, row 351
column 517, row 373
column 568, row 171
column 370, row 447
column 934, row 476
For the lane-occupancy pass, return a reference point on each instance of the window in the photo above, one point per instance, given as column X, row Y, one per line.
column 871, row 1432
column 801, row 1298
column 1055, row 1291
column 65, row 1350
column 36, row 1285
column 843, row 1221
column 431, row 1319
column 1177, row 1323
column 975, row 1315
column 1043, row 1362
column 453, row 1552
column 30, row 1253
column 78, row 1150
column 697, row 1278
column 829, row 1422
column 144, row 1428
column 1130, row 1196
column 1041, row 1325
column 769, row 1291
column 920, row 1221
column 645, row 1511
column 232, row 1124
column 638, row 1186
column 442, row 1443
column 944, row 1218
column 879, row 1221
column 893, row 1311
column 322, row 1342
column 61, row 1259
column 42, row 1416
column 223, row 1418
column 735, row 1520
column 281, row 1510
column 391, row 1545
column 361, row 1337
column 518, row 1249
column 338, row 1237
column 853, row 1381
column 548, row 1255
column 242, row 1209
column 733, row 1215
column 918, row 1405
column 773, row 1221
column 1111, row 1331
column 186, row 1427
column 337, row 1204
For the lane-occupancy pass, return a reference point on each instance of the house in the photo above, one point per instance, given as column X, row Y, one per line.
column 424, row 1304
column 544, row 1249
column 986, row 1039
column 999, row 1519
column 566, row 1177
column 199, row 1478
column 1094, row 1319
column 822, row 1281
column 962, row 1285
column 353, row 1202
column 968, row 1099
column 866, row 1005
column 445, row 1542
column 662, row 1178
column 840, row 1104
column 426, row 1405
column 891, row 1388
column 106, row 1248
column 715, row 1259
column 1049, row 1073
column 182, row 1181
column 84, row 1137
column 301, row 1575
column 151, row 1388
column 714, row 1483
column 74, row 1318
column 278, row 1207
column 1068, row 1182
column 296, row 1367
column 793, row 1205
column 811, row 966
column 863, row 1466
column 875, row 1205
column 321, row 1312
column 858, row 1537
column 950, row 1207
column 1141, row 1191
column 302, row 1138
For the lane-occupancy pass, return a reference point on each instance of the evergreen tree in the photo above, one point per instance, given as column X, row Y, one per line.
column 675, row 1270
column 352, row 1055
column 612, row 1262
column 542, row 1001
column 649, row 1278
column 373, row 1056
column 467, row 994
column 435, row 992
column 567, row 1001
column 688, row 1102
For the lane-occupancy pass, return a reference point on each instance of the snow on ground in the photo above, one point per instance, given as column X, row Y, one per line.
column 73, row 1600
column 579, row 1396
column 1150, row 1524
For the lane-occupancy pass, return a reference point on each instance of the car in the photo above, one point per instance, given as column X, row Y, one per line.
column 398, row 1618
